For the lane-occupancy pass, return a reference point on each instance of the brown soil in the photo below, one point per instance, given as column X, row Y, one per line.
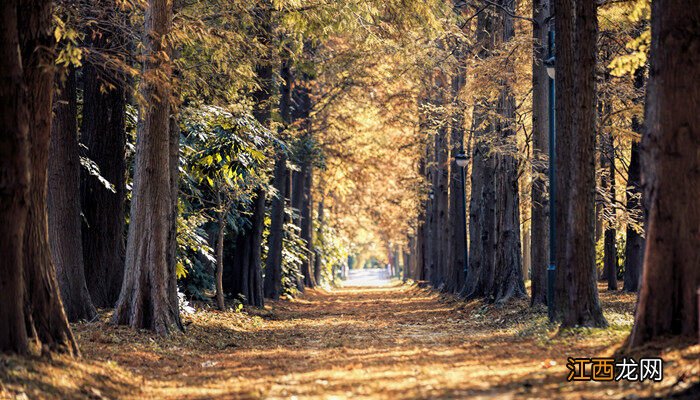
column 394, row 342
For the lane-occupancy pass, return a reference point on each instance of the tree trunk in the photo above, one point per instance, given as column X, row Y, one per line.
column 576, row 287
column 242, row 258
column 64, row 203
column 220, row 231
column 45, row 317
column 174, row 170
column 318, row 265
column 508, row 274
column 14, row 183
column 103, row 134
column 146, row 299
column 280, row 181
column 255, row 297
column 442, row 240
column 668, row 303
column 610, row 245
column 539, row 222
column 457, row 217
column 273, row 264
column 634, row 244
column 307, row 225
column 479, row 277
column 429, row 225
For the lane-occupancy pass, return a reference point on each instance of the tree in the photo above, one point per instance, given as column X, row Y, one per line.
column 482, row 213
column 457, row 217
column 103, row 135
column 668, row 300
column 302, row 181
column 634, row 245
column 244, row 257
column 441, row 239
column 577, row 301
column 273, row 264
column 148, row 298
column 508, row 276
column 610, row 235
column 539, row 224
column 14, row 183
column 64, row 202
column 457, row 212
column 35, row 310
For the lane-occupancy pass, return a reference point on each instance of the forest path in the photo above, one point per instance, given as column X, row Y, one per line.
column 381, row 342
column 385, row 342
column 367, row 277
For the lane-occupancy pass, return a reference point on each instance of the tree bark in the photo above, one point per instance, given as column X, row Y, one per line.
column 508, row 274
column 668, row 303
column 273, row 264
column 64, row 203
column 610, row 245
column 482, row 220
column 576, row 286
column 429, row 227
column 103, row 134
column 220, row 232
column 256, row 296
column 539, row 222
column 318, row 265
column 44, row 313
column 441, row 237
column 457, row 218
column 634, row 244
column 14, row 183
column 146, row 299
column 307, row 225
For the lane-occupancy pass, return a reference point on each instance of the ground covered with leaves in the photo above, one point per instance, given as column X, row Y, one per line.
column 388, row 342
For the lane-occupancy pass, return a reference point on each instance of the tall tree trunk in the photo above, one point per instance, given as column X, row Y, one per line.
column 44, row 309
column 301, row 190
column 576, row 286
column 272, row 283
column 668, row 303
column 429, row 224
column 539, row 222
column 220, row 232
column 318, row 265
column 64, row 203
column 242, row 258
column 307, row 225
column 457, row 218
column 479, row 277
column 174, row 170
column 273, row 264
column 14, row 183
column 634, row 244
column 256, row 295
column 508, row 274
column 103, row 134
column 441, row 236
column 146, row 299
column 610, row 245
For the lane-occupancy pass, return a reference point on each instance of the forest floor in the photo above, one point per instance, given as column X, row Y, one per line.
column 386, row 342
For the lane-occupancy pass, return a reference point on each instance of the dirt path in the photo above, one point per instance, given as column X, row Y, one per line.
column 389, row 342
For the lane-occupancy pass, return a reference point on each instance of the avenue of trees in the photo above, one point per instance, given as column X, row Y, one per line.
column 228, row 152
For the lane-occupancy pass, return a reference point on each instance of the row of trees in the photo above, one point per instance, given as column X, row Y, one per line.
column 98, row 87
column 245, row 149
column 162, row 147
column 492, row 106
